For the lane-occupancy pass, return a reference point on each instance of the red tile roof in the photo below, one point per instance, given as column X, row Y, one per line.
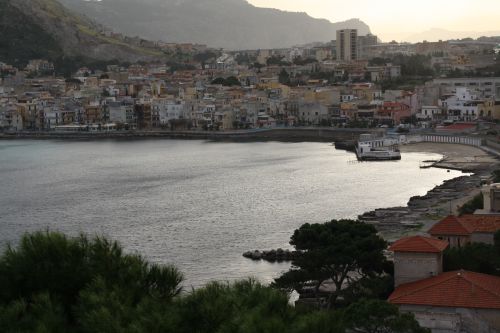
column 459, row 126
column 451, row 225
column 419, row 244
column 466, row 225
column 483, row 223
column 460, row 289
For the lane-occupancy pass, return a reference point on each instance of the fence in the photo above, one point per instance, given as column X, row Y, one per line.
column 462, row 140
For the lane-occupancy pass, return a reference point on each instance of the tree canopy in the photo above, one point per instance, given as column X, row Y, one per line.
column 343, row 251
column 475, row 257
column 52, row 283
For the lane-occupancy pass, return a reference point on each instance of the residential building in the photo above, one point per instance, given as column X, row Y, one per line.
column 461, row 230
column 486, row 87
column 430, row 113
column 347, row 45
column 450, row 302
column 417, row 258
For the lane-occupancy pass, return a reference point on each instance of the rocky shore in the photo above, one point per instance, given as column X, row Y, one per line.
column 424, row 211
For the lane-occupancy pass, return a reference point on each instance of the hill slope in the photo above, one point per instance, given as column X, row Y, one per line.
column 232, row 24
column 32, row 29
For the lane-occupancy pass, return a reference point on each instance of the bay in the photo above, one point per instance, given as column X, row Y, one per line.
column 195, row 204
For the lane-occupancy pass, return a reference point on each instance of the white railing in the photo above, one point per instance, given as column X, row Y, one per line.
column 460, row 140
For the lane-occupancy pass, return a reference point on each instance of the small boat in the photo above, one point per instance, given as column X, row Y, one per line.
column 377, row 150
column 366, row 152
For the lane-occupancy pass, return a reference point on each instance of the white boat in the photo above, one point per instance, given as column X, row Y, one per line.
column 377, row 150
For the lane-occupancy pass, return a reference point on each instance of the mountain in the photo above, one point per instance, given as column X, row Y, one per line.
column 231, row 24
column 31, row 29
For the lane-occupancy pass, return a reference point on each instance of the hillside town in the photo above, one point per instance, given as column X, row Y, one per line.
column 353, row 81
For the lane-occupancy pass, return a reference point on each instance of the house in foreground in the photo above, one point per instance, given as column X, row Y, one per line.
column 451, row 302
column 461, row 230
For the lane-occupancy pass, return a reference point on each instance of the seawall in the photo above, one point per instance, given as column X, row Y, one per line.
column 281, row 134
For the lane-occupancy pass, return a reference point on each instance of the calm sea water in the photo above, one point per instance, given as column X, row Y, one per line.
column 198, row 205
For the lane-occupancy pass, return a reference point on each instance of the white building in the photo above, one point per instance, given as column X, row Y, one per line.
column 431, row 113
column 487, row 87
column 461, row 106
column 164, row 110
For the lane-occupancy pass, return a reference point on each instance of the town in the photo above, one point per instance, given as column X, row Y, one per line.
column 353, row 81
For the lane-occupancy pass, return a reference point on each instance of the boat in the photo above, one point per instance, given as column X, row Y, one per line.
column 368, row 149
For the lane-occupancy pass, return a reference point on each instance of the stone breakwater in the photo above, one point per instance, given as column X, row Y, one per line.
column 423, row 211
column 278, row 255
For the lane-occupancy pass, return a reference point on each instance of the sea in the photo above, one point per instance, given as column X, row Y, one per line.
column 198, row 205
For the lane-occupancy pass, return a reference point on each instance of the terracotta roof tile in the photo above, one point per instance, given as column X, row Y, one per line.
column 451, row 225
column 483, row 223
column 419, row 244
column 466, row 225
column 459, row 289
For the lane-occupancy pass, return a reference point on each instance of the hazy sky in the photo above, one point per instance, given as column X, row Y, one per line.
column 394, row 19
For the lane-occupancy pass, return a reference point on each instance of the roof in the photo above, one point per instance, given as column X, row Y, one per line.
column 483, row 223
column 459, row 289
column 419, row 244
column 451, row 225
column 458, row 126
column 466, row 225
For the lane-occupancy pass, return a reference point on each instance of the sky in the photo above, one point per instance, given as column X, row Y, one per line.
column 400, row 19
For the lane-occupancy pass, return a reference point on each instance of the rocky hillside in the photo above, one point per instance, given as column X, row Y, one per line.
column 232, row 24
column 45, row 29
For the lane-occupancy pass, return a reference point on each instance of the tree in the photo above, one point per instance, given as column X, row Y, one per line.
column 496, row 239
column 475, row 257
column 471, row 206
column 284, row 77
column 343, row 251
column 50, row 268
column 375, row 316
column 52, row 283
column 228, row 82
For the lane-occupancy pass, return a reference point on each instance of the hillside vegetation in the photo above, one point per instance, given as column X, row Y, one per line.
column 32, row 29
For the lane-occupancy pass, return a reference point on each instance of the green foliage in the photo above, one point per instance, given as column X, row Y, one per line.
column 55, row 284
column 470, row 207
column 496, row 239
column 475, row 257
column 21, row 39
column 178, row 66
column 65, row 271
column 378, row 61
column 337, row 250
column 284, row 77
column 414, row 65
column 304, row 61
column 374, row 316
column 496, row 176
column 228, row 82
column 205, row 56
column 277, row 60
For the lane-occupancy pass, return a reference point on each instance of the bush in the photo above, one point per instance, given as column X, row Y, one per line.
column 470, row 207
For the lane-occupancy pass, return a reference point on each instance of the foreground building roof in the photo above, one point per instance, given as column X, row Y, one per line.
column 466, row 225
column 459, row 289
column 419, row 244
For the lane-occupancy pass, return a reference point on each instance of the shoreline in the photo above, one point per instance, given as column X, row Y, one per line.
column 416, row 217
column 422, row 212
column 300, row 134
